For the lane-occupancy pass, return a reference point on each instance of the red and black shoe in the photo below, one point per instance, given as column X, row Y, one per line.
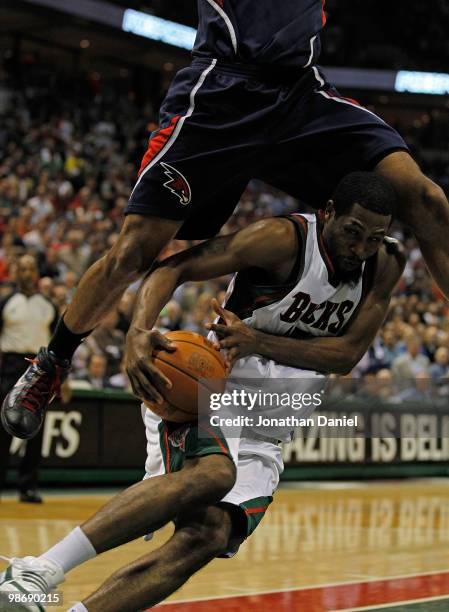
column 23, row 409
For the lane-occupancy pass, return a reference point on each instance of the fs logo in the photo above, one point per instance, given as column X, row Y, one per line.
column 177, row 184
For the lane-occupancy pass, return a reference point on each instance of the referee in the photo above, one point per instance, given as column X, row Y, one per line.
column 27, row 319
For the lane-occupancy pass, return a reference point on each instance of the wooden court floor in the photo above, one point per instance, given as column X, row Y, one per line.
column 322, row 547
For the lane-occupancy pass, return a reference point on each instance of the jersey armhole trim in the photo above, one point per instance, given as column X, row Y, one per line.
column 301, row 227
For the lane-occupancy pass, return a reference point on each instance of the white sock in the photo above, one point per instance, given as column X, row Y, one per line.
column 73, row 550
column 78, row 607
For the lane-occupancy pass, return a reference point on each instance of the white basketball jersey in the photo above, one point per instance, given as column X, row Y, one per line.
column 313, row 302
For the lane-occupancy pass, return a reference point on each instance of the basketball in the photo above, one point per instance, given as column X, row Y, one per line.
column 194, row 360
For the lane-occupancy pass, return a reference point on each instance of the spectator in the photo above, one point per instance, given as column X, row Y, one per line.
column 108, row 341
column 390, row 348
column 120, row 380
column 440, row 369
column 40, row 204
column 60, row 297
column 96, row 372
column 75, row 253
column 384, row 384
column 419, row 389
column 411, row 363
column 170, row 317
column 46, row 286
column 431, row 341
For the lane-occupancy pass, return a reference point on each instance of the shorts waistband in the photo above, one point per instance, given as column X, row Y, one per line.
column 262, row 72
column 252, row 435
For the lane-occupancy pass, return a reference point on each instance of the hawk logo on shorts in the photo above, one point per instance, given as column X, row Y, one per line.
column 177, row 184
column 178, row 437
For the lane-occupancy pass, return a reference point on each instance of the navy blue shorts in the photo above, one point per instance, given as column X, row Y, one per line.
column 222, row 125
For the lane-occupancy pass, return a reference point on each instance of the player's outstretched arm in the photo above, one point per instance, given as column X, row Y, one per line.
column 336, row 355
column 269, row 244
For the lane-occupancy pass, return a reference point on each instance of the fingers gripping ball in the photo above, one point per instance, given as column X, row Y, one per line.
column 194, row 360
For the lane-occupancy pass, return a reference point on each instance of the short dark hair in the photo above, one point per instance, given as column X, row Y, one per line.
column 367, row 189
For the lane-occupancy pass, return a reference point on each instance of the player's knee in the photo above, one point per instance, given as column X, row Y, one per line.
column 216, row 531
column 219, row 475
column 131, row 256
column 122, row 263
column 226, row 477
column 421, row 202
column 210, row 534
column 433, row 198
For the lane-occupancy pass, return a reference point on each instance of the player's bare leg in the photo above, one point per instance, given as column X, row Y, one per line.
column 199, row 538
column 151, row 503
column 146, row 506
column 424, row 207
column 141, row 240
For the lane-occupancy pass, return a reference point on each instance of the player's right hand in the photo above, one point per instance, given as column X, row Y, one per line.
column 147, row 381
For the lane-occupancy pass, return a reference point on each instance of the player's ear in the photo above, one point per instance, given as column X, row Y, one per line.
column 330, row 210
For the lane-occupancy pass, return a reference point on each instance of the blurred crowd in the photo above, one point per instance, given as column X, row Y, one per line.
column 390, row 35
column 66, row 171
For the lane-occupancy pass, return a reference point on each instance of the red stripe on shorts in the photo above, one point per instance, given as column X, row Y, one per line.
column 167, row 451
column 158, row 142
column 216, row 438
column 255, row 510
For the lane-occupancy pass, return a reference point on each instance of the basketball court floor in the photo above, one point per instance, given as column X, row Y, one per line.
column 321, row 547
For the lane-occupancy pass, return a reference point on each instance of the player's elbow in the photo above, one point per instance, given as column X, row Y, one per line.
column 350, row 356
column 344, row 369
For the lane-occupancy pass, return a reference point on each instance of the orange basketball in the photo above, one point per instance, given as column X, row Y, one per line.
column 195, row 359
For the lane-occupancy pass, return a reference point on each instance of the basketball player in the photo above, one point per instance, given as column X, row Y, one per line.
column 252, row 104
column 329, row 278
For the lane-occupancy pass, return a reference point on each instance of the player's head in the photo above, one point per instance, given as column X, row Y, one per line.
column 357, row 220
column 27, row 273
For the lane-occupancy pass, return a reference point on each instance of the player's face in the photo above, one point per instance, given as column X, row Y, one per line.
column 353, row 237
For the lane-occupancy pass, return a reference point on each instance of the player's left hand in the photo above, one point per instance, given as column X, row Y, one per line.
column 237, row 339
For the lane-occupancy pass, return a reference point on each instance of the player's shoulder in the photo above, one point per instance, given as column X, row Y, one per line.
column 267, row 243
column 391, row 261
column 392, row 250
column 276, row 230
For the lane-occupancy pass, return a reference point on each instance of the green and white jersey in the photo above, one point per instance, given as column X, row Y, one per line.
column 313, row 302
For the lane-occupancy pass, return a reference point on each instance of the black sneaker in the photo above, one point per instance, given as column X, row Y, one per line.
column 30, row 496
column 23, row 409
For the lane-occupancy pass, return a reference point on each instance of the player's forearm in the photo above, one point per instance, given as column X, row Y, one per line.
column 330, row 355
column 155, row 292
